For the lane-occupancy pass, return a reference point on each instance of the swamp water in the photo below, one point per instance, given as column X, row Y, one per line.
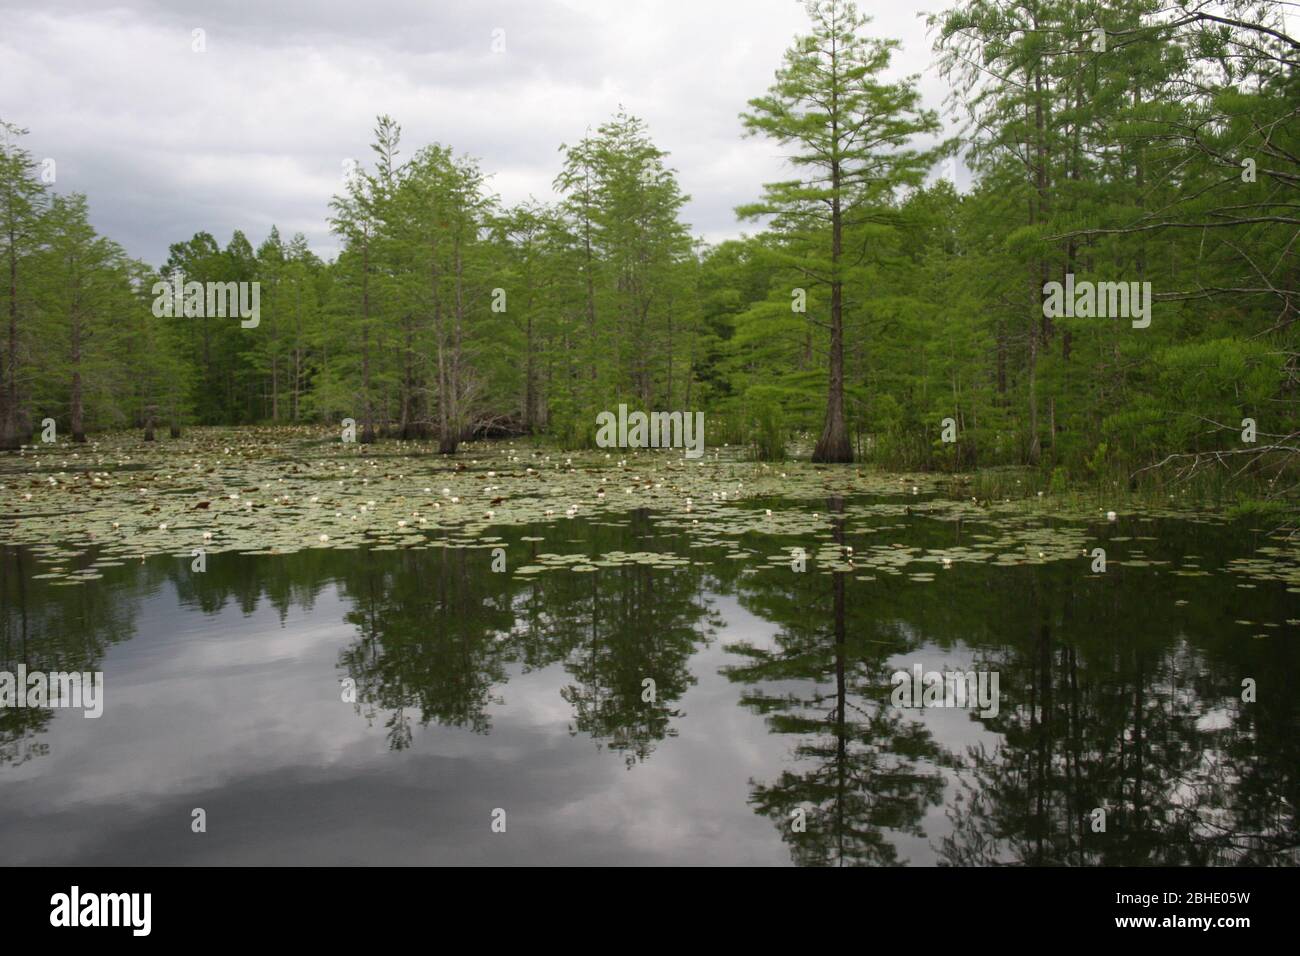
column 348, row 680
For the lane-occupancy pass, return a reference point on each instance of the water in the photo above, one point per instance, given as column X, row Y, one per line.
column 479, row 691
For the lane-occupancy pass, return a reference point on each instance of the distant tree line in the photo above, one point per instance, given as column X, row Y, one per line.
column 878, row 311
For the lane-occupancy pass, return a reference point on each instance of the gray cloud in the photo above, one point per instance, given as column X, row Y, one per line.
column 255, row 130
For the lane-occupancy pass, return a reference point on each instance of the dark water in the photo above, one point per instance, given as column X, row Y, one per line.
column 479, row 691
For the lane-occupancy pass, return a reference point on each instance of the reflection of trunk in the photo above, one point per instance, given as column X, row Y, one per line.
column 1077, row 810
column 836, row 507
column 1043, row 757
column 1137, row 747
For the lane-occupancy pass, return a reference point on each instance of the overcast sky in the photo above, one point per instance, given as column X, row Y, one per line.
column 256, row 130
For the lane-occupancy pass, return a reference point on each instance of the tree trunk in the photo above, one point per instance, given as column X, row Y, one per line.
column 834, row 445
column 78, row 428
column 9, row 430
column 453, row 428
column 368, row 416
column 77, row 410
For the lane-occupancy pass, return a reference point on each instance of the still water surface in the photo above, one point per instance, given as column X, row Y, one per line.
column 478, row 690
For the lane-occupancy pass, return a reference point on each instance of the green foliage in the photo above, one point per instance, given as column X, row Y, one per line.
column 875, row 304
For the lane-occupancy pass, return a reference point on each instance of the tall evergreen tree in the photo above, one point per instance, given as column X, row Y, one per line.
column 850, row 134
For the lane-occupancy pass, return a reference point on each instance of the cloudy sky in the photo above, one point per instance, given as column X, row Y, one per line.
column 256, row 130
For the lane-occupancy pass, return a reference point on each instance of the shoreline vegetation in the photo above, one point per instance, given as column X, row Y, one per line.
column 878, row 317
